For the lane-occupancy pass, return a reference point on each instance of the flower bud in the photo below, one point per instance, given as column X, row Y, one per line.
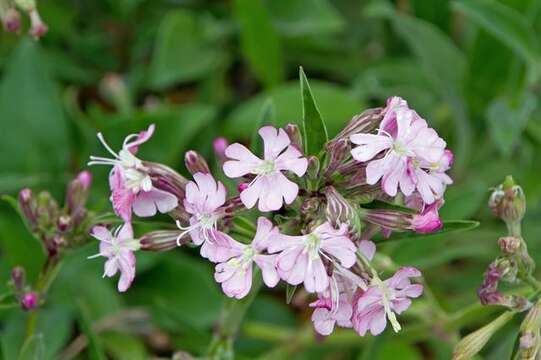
column 530, row 340
column 242, row 186
column 219, row 145
column 162, row 240
column 29, row 301
column 37, row 27
column 85, row 179
column 195, row 163
column 295, row 135
column 63, row 223
column 337, row 150
column 388, row 219
column 11, row 19
column 469, row 346
column 167, row 179
column 18, row 278
column 313, row 167
column 429, row 220
column 362, row 123
column 508, row 202
column 509, row 244
column 114, row 90
column 27, row 204
column 338, row 210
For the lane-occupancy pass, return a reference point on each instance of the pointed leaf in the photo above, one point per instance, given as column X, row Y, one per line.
column 33, row 348
column 290, row 292
column 315, row 131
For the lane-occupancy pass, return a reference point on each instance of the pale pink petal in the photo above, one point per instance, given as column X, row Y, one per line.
column 147, row 203
column 369, row 145
column 125, row 232
column 292, row 160
column 400, row 305
column 244, row 161
column 143, row 137
column 291, row 265
column 122, row 197
column 274, row 140
column 265, row 231
column 236, row 282
column 316, row 278
column 378, row 321
column 323, row 322
column 251, row 194
column 267, row 264
column 101, row 233
column 367, row 248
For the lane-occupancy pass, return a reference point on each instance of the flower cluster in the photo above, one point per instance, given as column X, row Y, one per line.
column 312, row 226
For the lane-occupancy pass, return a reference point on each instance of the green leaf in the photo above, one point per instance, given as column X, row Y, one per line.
column 378, row 204
column 449, row 226
column 507, row 118
column 123, row 346
column 267, row 117
column 305, row 17
column 32, row 115
column 259, row 42
column 95, row 347
column 336, row 104
column 183, row 52
column 314, row 129
column 33, row 348
column 505, row 23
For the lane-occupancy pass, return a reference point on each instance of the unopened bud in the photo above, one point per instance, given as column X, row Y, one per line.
column 429, row 220
column 85, row 179
column 242, row 186
column 509, row 244
column 313, row 167
column 337, row 151
column 362, row 123
column 11, row 19
column 388, row 218
column 37, row 27
column 469, row 346
column 295, row 135
column 219, row 145
column 163, row 240
column 195, row 163
column 18, row 278
column 338, row 210
column 27, row 204
column 63, row 223
column 508, row 202
column 29, row 301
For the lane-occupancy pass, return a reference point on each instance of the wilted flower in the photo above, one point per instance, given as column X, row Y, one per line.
column 383, row 300
column 130, row 182
column 301, row 257
column 235, row 274
column 118, row 247
column 270, row 186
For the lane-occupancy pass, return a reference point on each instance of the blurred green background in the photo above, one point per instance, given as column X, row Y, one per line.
column 201, row 69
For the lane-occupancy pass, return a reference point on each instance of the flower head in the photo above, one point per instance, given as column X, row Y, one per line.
column 403, row 143
column 130, row 182
column 118, row 247
column 270, row 187
column 301, row 257
column 429, row 220
column 383, row 300
column 204, row 197
column 235, row 274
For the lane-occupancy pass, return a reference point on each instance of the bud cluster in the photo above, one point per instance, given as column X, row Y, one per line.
column 11, row 18
column 56, row 227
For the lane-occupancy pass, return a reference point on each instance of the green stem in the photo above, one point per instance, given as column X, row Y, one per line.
column 48, row 274
column 533, row 282
column 233, row 312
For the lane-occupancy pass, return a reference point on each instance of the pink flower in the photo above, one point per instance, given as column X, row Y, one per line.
column 383, row 300
column 403, row 137
column 270, row 186
column 235, row 274
column 334, row 307
column 118, row 248
column 430, row 178
column 300, row 260
column 429, row 220
column 130, row 183
column 204, row 197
